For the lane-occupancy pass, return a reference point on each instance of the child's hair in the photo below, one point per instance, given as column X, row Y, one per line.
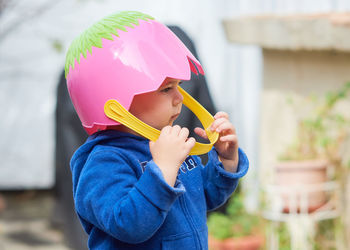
column 130, row 53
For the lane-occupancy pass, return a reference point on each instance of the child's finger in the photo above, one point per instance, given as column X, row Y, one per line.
column 221, row 114
column 201, row 132
column 184, row 133
column 176, row 129
column 190, row 143
column 229, row 138
column 227, row 127
column 217, row 123
column 165, row 130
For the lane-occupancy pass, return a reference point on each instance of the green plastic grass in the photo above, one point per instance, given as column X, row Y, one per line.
column 102, row 29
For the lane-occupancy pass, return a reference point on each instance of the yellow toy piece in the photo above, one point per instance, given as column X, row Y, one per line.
column 115, row 111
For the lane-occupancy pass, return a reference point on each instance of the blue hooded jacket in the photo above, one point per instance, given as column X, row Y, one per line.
column 123, row 201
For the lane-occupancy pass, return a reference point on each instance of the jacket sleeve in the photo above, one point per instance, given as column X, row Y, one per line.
column 109, row 195
column 218, row 183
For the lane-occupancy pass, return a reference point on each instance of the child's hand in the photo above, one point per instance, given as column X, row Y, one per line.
column 227, row 144
column 170, row 150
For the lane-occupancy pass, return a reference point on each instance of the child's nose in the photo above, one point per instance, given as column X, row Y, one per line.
column 178, row 98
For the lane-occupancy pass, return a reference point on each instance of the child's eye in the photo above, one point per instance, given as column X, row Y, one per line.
column 167, row 89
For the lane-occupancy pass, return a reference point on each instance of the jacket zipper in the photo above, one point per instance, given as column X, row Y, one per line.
column 190, row 221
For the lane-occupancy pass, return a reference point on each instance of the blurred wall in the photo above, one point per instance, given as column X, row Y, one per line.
column 296, row 76
column 34, row 37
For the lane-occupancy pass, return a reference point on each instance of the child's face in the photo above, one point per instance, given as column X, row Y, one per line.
column 159, row 108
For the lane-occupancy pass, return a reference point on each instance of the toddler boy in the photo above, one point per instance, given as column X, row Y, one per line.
column 130, row 192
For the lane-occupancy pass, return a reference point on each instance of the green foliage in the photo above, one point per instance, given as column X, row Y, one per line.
column 323, row 132
column 220, row 226
column 235, row 223
column 284, row 241
column 325, row 233
column 102, row 29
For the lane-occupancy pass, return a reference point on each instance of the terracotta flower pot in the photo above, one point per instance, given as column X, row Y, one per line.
column 253, row 242
column 300, row 179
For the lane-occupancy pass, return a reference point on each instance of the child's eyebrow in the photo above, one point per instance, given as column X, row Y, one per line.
column 169, row 83
column 173, row 82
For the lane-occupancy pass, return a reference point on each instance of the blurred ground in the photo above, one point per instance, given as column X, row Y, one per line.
column 26, row 222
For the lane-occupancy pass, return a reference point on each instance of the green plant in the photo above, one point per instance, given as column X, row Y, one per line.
column 326, row 232
column 284, row 241
column 236, row 222
column 323, row 131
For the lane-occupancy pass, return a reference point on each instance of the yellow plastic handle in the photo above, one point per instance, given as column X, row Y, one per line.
column 115, row 111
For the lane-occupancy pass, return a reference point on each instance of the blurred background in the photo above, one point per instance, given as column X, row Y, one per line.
column 280, row 68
